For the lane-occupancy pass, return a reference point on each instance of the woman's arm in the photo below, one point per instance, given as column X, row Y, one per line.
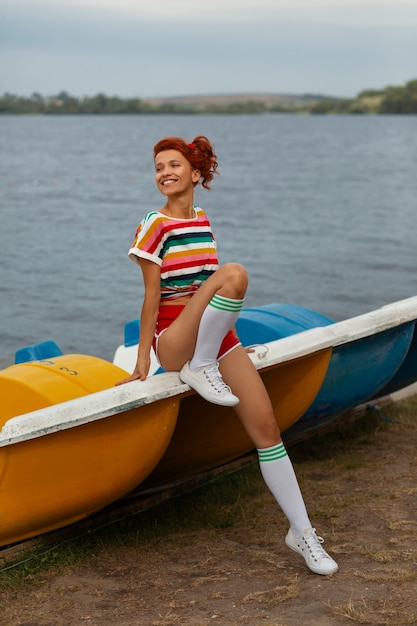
column 151, row 277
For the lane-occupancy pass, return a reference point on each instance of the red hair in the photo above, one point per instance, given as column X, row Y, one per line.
column 199, row 153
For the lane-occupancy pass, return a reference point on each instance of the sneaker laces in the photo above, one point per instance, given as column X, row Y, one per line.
column 211, row 372
column 314, row 544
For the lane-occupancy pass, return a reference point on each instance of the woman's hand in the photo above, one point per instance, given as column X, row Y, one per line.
column 139, row 373
column 129, row 379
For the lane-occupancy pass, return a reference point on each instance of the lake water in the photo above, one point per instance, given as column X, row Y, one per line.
column 321, row 210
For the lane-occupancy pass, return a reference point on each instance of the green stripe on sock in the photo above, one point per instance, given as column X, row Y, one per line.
column 226, row 304
column 272, row 454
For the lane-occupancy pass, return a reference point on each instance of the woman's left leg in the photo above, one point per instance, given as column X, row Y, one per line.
column 256, row 414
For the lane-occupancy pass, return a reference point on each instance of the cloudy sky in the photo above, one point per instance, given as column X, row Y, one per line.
column 152, row 48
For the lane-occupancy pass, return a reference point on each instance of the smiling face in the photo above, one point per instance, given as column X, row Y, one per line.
column 174, row 174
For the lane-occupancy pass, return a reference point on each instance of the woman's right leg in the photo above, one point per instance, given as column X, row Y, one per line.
column 191, row 343
column 201, row 323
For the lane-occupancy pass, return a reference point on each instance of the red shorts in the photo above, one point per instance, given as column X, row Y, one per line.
column 168, row 313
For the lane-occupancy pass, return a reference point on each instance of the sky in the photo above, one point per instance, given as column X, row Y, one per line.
column 163, row 48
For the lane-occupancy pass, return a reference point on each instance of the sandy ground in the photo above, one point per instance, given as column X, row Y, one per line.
column 361, row 494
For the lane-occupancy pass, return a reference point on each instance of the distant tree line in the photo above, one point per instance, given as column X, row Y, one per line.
column 388, row 101
column 391, row 100
column 65, row 104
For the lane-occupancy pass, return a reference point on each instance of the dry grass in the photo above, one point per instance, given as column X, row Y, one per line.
column 379, row 612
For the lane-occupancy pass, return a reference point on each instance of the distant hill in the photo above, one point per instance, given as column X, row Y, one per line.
column 217, row 100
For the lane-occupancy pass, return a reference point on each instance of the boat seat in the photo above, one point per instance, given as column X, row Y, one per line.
column 37, row 352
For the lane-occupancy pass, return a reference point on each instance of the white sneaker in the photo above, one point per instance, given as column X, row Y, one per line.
column 309, row 546
column 208, row 383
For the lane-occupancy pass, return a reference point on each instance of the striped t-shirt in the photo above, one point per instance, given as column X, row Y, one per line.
column 184, row 249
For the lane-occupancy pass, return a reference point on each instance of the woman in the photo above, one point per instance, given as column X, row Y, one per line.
column 188, row 314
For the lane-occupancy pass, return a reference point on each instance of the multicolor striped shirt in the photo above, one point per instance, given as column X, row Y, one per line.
column 185, row 250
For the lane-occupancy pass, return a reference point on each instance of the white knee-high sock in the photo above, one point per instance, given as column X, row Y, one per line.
column 218, row 318
column 279, row 475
